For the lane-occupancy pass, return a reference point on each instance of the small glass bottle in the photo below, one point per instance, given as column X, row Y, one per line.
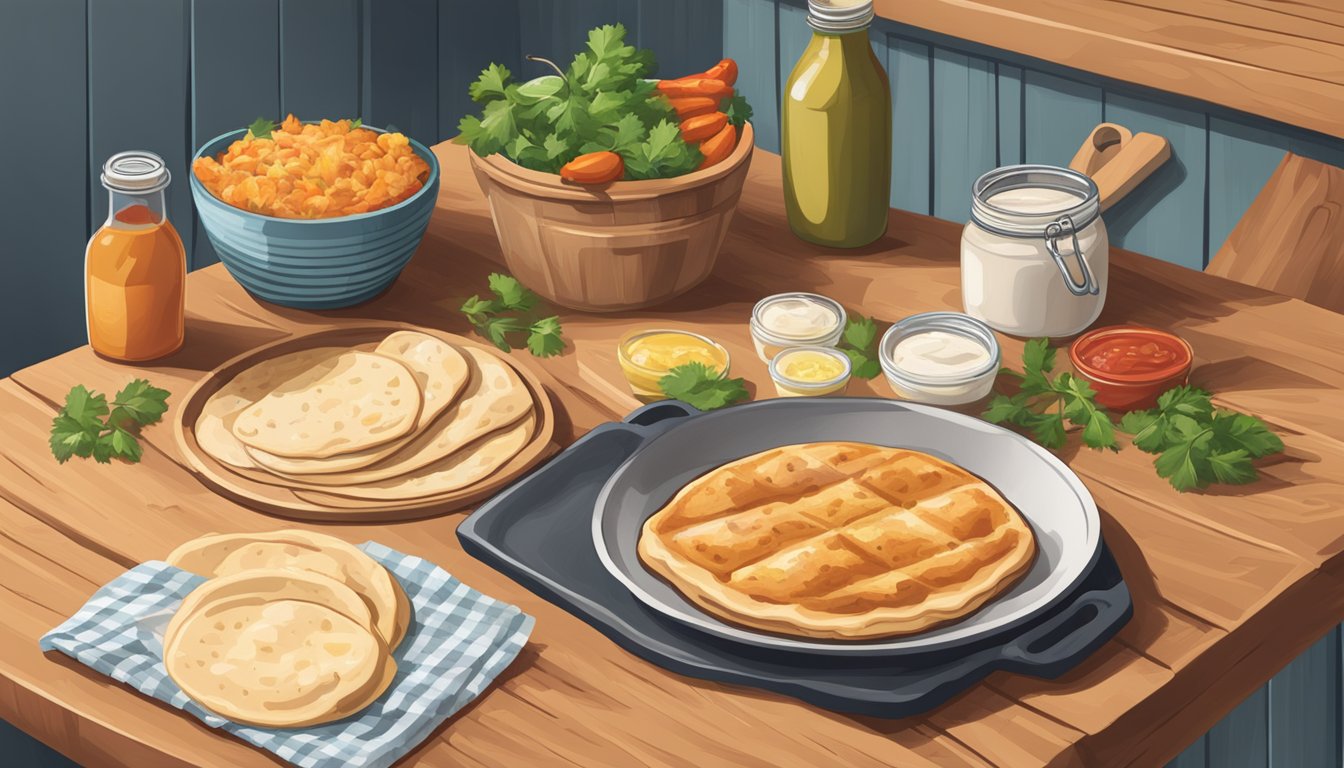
column 135, row 268
column 837, row 131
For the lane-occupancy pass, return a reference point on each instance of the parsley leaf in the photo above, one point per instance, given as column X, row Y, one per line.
column 512, row 294
column 260, row 128
column 738, row 110
column 87, row 427
column 543, row 338
column 1043, row 405
column 511, row 311
column 497, row 329
column 700, row 386
column 138, row 403
column 859, row 343
column 491, row 84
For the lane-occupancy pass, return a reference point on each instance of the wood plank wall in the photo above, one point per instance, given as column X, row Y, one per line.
column 167, row 75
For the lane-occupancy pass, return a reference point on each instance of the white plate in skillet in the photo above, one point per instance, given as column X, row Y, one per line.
column 1050, row 497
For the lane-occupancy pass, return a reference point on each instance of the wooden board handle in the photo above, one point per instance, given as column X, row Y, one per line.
column 1119, row 161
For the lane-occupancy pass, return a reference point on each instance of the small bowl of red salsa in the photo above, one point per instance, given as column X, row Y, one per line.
column 1129, row 366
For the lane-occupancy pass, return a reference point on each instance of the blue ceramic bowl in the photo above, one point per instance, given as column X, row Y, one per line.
column 315, row 263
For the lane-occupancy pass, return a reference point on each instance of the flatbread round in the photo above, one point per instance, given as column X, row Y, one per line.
column 268, row 584
column 346, row 403
column 214, row 425
column 223, row 554
column 442, row 373
column 495, row 398
column 440, row 369
column 473, row 463
column 247, row 652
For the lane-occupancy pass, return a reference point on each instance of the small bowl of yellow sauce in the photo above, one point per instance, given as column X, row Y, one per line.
column 813, row 371
column 647, row 356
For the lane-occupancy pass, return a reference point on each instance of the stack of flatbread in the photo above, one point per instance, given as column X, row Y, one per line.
column 413, row 417
column 291, row 628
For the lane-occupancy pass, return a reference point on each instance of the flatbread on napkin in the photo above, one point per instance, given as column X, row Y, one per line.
column 346, row 403
column 471, row 464
column 495, row 398
column 223, row 554
column 256, row 649
column 214, row 425
column 442, row 373
column 277, row 584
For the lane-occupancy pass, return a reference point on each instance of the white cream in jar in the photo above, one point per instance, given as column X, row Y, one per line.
column 1035, row 255
column 790, row 320
column 940, row 358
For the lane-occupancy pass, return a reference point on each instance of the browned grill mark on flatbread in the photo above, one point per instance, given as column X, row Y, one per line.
column 805, row 539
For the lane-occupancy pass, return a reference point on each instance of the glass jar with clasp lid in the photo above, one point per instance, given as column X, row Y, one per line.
column 1035, row 254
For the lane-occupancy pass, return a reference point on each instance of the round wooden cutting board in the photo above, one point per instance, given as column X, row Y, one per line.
column 264, row 492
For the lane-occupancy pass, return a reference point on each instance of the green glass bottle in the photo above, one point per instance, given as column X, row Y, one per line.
column 837, row 131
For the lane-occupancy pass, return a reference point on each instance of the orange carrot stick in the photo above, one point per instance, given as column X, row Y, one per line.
column 701, row 127
column 594, row 168
column 691, row 106
column 718, row 147
column 725, row 71
column 695, row 86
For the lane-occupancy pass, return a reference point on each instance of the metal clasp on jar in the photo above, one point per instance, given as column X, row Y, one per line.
column 1053, row 232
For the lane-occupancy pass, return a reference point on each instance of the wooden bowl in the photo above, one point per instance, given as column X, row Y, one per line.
column 623, row 245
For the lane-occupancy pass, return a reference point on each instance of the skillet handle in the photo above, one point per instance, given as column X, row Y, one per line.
column 1057, row 644
column 663, row 410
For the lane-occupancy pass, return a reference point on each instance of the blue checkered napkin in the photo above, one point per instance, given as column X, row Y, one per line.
column 457, row 643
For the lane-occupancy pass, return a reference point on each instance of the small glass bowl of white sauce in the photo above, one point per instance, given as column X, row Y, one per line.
column 795, row 320
column 940, row 358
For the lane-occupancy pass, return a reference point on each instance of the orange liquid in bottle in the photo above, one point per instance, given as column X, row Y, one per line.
column 135, row 284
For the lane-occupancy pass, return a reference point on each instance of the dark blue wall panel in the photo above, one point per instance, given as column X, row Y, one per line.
column 749, row 37
column 685, row 35
column 464, row 51
column 320, row 59
column 218, row 104
column 139, row 75
column 401, row 66
column 44, row 211
column 558, row 30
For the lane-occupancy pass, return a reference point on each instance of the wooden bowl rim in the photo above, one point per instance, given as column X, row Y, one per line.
column 509, row 174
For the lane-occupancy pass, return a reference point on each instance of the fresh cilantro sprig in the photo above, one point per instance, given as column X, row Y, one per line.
column 260, row 128
column 604, row 100
column 1044, row 404
column 88, row 427
column 1195, row 443
column 512, row 311
column 738, row 110
column 859, row 343
column 701, row 386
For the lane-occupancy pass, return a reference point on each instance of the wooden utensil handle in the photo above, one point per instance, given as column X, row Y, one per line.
column 1135, row 161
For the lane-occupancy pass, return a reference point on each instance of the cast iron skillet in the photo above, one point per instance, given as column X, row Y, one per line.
column 1053, row 500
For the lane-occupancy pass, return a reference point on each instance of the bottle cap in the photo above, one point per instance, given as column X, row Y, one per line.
column 839, row 15
column 135, row 171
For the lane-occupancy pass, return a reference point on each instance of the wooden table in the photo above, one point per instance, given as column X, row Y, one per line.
column 1228, row 585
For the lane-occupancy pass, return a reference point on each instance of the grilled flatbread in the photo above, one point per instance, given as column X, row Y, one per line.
column 346, row 403
column 276, row 649
column 838, row 540
column 222, row 554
